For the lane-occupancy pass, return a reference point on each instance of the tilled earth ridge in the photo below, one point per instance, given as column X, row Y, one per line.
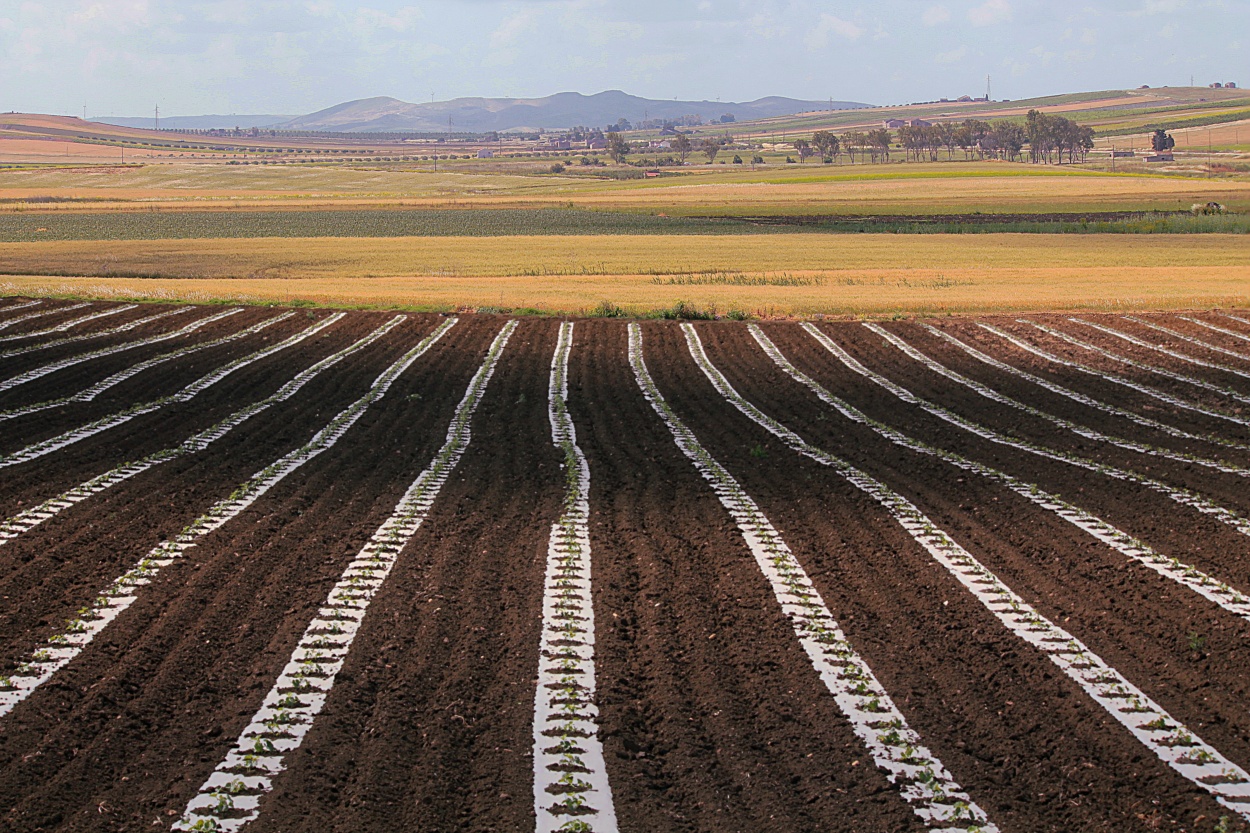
column 170, row 424
column 1108, row 391
column 204, row 641
column 1157, row 519
column 107, row 534
column 1025, row 742
column 164, row 379
column 1012, row 421
column 93, row 335
column 711, row 714
column 1126, row 613
column 428, row 726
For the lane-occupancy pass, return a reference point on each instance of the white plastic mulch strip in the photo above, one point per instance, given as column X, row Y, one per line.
column 22, row 305
column 1185, row 497
column 1215, row 327
column 1154, row 393
column 61, row 648
column 571, row 789
column 73, row 322
column 230, row 798
column 90, row 393
column 1080, row 430
column 45, row 447
column 123, row 328
column 4, row 325
column 70, row 361
column 1080, row 397
column 1222, row 594
column 1205, row 345
column 895, row 747
column 1162, row 734
column 30, row 518
column 1159, row 348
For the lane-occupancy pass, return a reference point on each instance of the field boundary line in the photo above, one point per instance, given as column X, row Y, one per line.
column 4, row 325
column 45, row 447
column 913, row 352
column 122, row 328
column 89, row 393
column 73, row 322
column 230, row 798
column 568, row 755
column 63, row 646
column 1154, row 393
column 1159, row 348
column 70, row 361
column 28, row 519
column 1222, row 594
column 1206, row 345
column 897, row 749
column 1157, row 730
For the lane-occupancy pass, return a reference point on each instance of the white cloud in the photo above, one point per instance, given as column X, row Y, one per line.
column 990, row 12
column 954, row 56
column 1153, row 7
column 818, row 36
column 935, row 14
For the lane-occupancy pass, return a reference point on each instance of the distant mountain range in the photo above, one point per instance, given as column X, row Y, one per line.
column 482, row 115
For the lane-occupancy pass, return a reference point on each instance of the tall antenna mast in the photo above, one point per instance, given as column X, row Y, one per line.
column 157, row 118
column 987, row 88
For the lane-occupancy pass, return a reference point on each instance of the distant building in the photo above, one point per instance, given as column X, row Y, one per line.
column 964, row 99
column 919, row 123
column 893, row 124
column 596, row 144
column 485, row 154
column 1160, row 157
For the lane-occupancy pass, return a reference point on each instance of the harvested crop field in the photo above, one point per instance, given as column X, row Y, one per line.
column 398, row 571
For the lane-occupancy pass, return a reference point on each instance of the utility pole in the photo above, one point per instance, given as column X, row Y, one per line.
column 987, row 89
column 157, row 118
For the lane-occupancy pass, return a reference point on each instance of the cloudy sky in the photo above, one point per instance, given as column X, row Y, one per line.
column 120, row 57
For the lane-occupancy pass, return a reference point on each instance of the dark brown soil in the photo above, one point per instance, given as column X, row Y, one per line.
column 712, row 716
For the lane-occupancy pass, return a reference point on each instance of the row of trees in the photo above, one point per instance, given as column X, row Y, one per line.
column 1048, row 138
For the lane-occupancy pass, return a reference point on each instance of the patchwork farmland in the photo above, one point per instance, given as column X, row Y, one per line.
column 399, row 571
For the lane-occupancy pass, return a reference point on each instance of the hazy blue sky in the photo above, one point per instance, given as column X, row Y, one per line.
column 120, row 57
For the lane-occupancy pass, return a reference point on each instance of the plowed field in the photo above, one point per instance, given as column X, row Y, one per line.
column 293, row 571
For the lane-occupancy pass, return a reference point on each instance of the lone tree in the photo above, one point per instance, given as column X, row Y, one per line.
column 1162, row 142
column 827, row 143
column 618, row 148
column 804, row 148
column 710, row 148
column 681, row 144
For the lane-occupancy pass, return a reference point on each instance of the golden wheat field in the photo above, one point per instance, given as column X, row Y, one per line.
column 832, row 274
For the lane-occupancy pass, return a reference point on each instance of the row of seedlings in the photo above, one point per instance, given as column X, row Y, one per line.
column 73, row 322
column 896, row 748
column 70, row 361
column 1176, row 354
column 1205, row 345
column 1124, row 381
column 92, row 391
column 1167, row 738
column 1080, row 430
column 571, row 789
column 112, row 601
column 121, row 328
column 45, row 447
column 28, row 519
column 1185, row 497
column 1222, row 594
column 4, row 325
column 230, row 798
